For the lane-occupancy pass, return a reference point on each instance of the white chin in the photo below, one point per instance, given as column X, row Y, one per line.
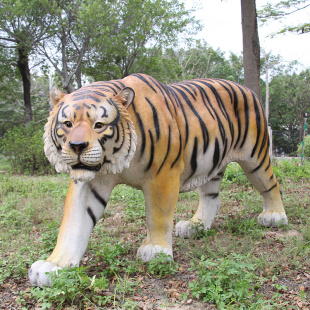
column 82, row 175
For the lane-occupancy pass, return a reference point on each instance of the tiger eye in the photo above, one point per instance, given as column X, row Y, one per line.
column 99, row 125
column 68, row 124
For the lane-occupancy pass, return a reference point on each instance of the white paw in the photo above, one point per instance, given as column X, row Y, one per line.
column 148, row 251
column 37, row 272
column 273, row 219
column 184, row 229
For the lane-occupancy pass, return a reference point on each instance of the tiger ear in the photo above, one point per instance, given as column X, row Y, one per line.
column 56, row 95
column 125, row 96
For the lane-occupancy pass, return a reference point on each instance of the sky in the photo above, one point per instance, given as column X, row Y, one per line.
column 222, row 29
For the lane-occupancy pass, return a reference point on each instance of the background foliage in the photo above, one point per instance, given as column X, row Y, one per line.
column 64, row 43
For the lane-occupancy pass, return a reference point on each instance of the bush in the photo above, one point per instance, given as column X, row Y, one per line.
column 307, row 147
column 24, row 150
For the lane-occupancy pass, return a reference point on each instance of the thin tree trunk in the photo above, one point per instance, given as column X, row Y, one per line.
column 23, row 66
column 251, row 48
column 67, row 80
column 78, row 76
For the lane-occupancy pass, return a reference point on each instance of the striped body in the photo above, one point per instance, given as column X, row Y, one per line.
column 162, row 139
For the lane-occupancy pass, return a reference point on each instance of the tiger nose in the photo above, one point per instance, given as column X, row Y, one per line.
column 78, row 147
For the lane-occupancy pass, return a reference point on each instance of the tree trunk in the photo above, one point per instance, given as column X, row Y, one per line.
column 251, row 48
column 23, row 66
column 78, row 76
column 67, row 85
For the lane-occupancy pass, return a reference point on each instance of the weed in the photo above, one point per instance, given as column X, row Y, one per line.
column 242, row 226
column 234, row 174
column 224, row 281
column 198, row 231
column 70, row 286
column 123, row 287
column 111, row 256
column 306, row 232
column 49, row 237
column 162, row 265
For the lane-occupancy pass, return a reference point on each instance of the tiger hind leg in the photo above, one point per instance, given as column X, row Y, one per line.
column 264, row 180
column 209, row 204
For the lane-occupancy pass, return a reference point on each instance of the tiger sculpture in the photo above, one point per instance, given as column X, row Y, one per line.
column 162, row 139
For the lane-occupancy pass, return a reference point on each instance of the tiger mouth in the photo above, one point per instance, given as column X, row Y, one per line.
column 85, row 167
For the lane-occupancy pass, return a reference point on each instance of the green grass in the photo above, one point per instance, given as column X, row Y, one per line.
column 263, row 261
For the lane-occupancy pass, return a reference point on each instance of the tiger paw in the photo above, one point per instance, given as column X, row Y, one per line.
column 149, row 251
column 273, row 219
column 184, row 229
column 37, row 273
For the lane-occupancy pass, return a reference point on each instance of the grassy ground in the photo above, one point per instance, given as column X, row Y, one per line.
column 235, row 265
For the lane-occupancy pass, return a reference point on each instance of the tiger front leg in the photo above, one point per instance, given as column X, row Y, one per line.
column 83, row 207
column 160, row 198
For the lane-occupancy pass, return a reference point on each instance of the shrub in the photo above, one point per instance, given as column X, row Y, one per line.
column 24, row 150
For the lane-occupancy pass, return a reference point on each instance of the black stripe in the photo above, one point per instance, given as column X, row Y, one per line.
column 194, row 158
column 225, row 149
column 98, row 93
column 53, row 132
column 102, row 144
column 262, row 162
column 155, row 117
column 187, row 90
column 189, row 84
column 92, row 215
column 164, row 92
column 117, row 132
column 152, row 152
column 142, row 78
column 130, row 137
column 179, row 104
column 216, row 155
column 180, row 149
column 246, row 114
column 63, row 111
column 168, row 149
column 263, row 142
column 93, row 98
column 80, row 92
column 99, row 198
column 111, row 87
column 218, row 99
column 79, row 98
column 205, row 96
column 234, row 100
column 117, row 86
column 258, row 128
column 205, row 133
column 271, row 188
column 116, row 149
column 213, row 195
column 268, row 165
column 142, row 130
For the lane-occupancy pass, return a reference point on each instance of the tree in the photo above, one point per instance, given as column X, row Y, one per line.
column 289, row 100
column 281, row 10
column 199, row 60
column 251, row 47
column 77, row 28
column 23, row 24
column 143, row 29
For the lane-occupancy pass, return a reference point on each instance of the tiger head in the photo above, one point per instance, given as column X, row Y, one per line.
column 89, row 132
